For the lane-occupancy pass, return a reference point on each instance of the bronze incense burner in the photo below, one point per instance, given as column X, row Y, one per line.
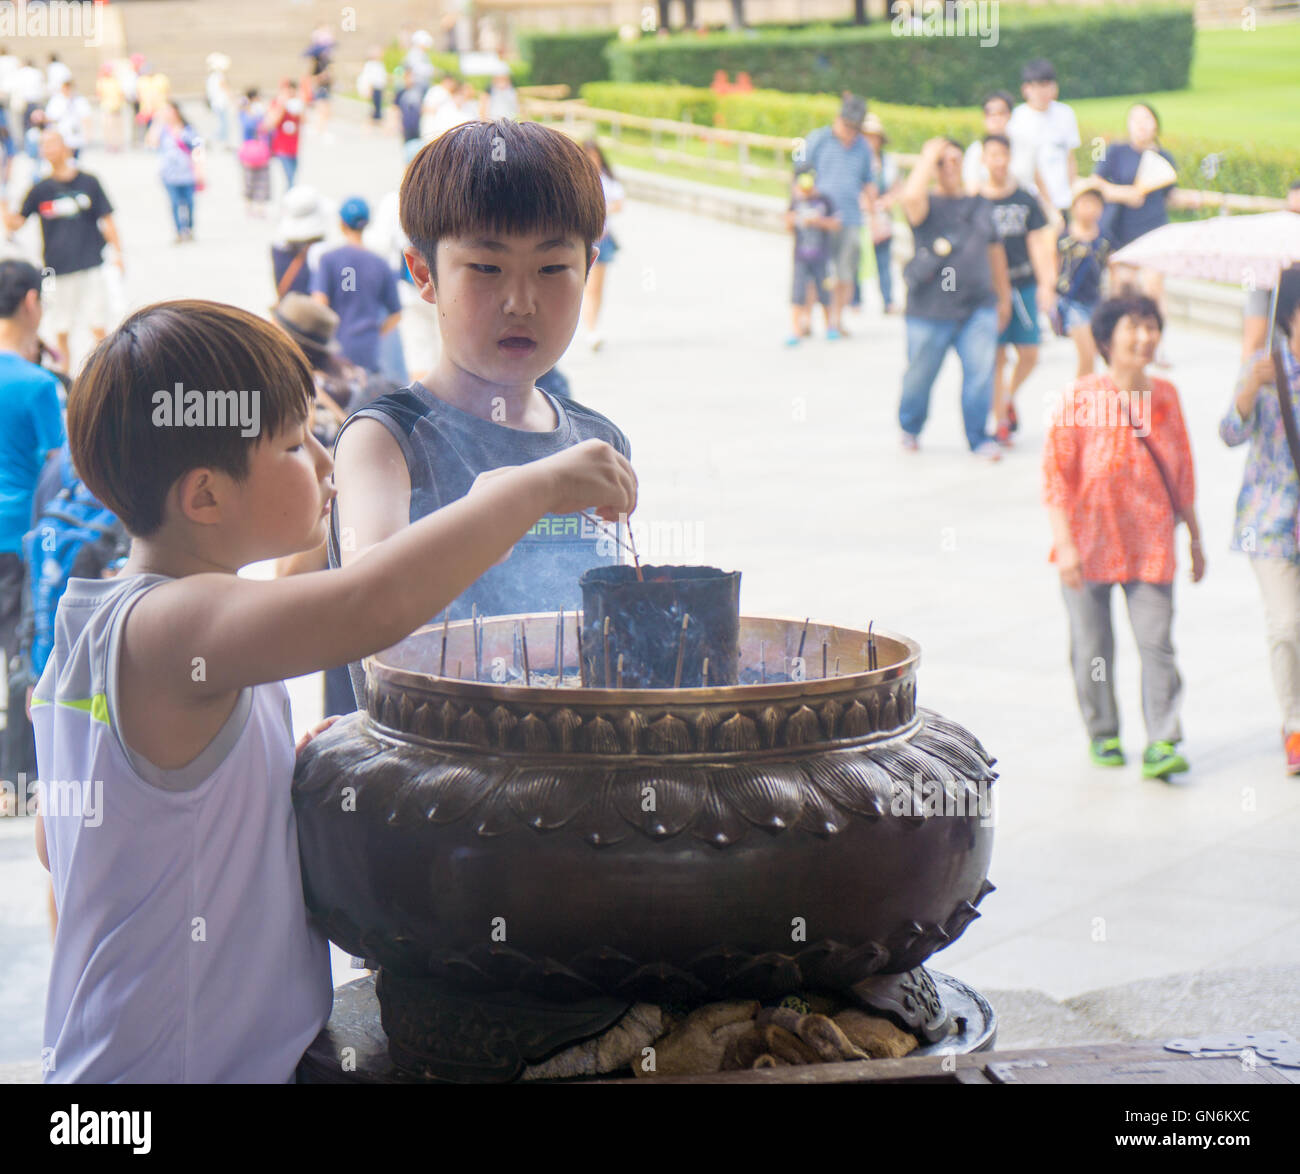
column 809, row 827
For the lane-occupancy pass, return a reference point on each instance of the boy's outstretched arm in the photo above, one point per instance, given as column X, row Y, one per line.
column 246, row 632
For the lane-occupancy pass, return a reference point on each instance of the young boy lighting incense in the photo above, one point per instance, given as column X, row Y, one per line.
column 503, row 217
column 183, row 950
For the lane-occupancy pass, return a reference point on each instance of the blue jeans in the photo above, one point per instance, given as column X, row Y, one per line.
column 392, row 359
column 928, row 339
column 290, row 165
column 182, row 197
column 883, row 261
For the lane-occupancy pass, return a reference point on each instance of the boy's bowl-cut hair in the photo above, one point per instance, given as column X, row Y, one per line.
column 129, row 462
column 503, row 176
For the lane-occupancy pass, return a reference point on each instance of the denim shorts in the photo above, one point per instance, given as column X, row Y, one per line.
column 1022, row 328
column 608, row 246
column 1074, row 314
column 806, row 272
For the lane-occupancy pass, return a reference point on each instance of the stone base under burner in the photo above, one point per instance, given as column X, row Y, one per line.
column 487, row 1040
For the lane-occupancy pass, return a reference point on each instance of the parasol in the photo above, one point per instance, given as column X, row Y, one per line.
column 1247, row 251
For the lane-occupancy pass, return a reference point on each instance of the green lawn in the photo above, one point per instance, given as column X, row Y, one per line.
column 1245, row 87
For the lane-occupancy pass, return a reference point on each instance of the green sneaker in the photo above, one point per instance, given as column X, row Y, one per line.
column 1161, row 760
column 1106, row 752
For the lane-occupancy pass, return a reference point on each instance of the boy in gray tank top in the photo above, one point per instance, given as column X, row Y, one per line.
column 502, row 217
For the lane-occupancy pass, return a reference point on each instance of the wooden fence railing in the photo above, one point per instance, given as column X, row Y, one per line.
column 578, row 119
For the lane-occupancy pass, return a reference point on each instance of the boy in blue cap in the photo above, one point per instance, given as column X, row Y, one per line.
column 359, row 287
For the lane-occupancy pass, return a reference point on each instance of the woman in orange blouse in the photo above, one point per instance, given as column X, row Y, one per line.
column 1118, row 479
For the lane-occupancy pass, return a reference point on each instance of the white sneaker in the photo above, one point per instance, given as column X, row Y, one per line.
column 595, row 341
column 990, row 451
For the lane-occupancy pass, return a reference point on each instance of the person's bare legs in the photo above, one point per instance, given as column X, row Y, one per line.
column 65, row 357
column 1026, row 361
column 801, row 316
column 1086, row 350
column 1123, row 280
column 840, row 297
column 1152, row 283
column 591, row 299
column 1000, row 397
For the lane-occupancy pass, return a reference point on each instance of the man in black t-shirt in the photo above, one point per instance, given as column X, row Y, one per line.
column 957, row 294
column 76, row 220
column 1031, row 269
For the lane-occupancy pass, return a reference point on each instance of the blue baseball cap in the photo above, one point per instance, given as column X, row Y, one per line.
column 355, row 212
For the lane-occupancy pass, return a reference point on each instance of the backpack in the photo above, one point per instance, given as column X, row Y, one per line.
column 74, row 537
column 255, row 153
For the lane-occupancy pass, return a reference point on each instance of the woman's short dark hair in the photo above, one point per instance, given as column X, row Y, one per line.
column 1150, row 110
column 503, row 176
column 1106, row 317
column 17, row 280
column 999, row 96
column 1288, row 298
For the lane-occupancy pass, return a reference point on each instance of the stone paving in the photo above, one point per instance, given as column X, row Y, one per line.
column 785, row 464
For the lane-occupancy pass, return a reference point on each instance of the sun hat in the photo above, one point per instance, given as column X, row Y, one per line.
column 302, row 216
column 873, row 126
column 308, row 323
column 218, row 62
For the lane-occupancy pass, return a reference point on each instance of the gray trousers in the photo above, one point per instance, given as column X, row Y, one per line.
column 1092, row 657
column 1279, row 581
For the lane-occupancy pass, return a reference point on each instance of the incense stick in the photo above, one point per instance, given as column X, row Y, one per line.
column 705, row 672
column 605, row 641
column 803, row 635
column 681, row 652
column 442, row 659
column 478, row 648
column 559, row 648
column 582, row 660
column 823, row 660
column 600, row 522
column 620, row 670
column 523, row 641
column 631, row 541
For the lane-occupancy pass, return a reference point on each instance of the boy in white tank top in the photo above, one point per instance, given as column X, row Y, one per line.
column 184, row 951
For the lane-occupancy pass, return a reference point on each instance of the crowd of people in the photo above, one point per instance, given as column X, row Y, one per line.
column 1005, row 224
column 1007, row 235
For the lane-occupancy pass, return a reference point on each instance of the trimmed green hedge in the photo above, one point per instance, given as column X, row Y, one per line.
column 771, row 112
column 1096, row 53
column 1202, row 163
column 568, row 58
column 444, row 63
